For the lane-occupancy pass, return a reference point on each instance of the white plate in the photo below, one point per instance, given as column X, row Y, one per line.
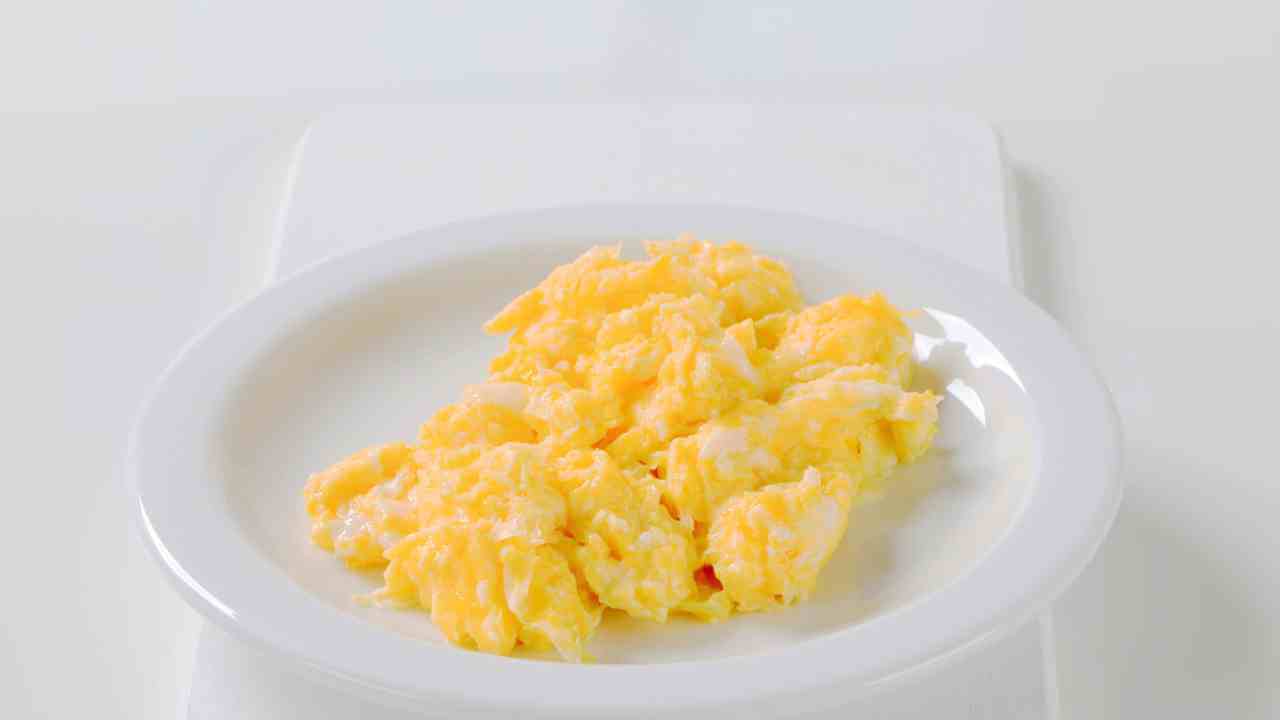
column 360, row 349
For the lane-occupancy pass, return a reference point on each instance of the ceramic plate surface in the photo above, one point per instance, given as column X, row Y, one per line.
column 360, row 349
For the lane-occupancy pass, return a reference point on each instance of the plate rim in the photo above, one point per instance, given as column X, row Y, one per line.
column 809, row 665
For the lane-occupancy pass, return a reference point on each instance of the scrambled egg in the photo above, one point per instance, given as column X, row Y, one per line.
column 672, row 435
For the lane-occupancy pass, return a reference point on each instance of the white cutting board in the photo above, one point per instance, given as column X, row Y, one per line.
column 375, row 172
column 369, row 173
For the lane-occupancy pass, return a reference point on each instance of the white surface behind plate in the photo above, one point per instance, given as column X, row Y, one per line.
column 375, row 172
column 370, row 173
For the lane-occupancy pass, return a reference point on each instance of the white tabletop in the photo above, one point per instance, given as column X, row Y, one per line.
column 1144, row 135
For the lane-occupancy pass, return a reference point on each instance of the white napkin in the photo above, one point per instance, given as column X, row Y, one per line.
column 373, row 172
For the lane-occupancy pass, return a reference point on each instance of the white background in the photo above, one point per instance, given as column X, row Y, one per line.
column 1145, row 137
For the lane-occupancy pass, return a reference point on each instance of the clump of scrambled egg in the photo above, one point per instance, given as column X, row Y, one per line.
column 672, row 435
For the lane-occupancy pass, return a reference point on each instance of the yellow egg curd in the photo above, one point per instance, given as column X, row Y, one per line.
column 671, row 435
